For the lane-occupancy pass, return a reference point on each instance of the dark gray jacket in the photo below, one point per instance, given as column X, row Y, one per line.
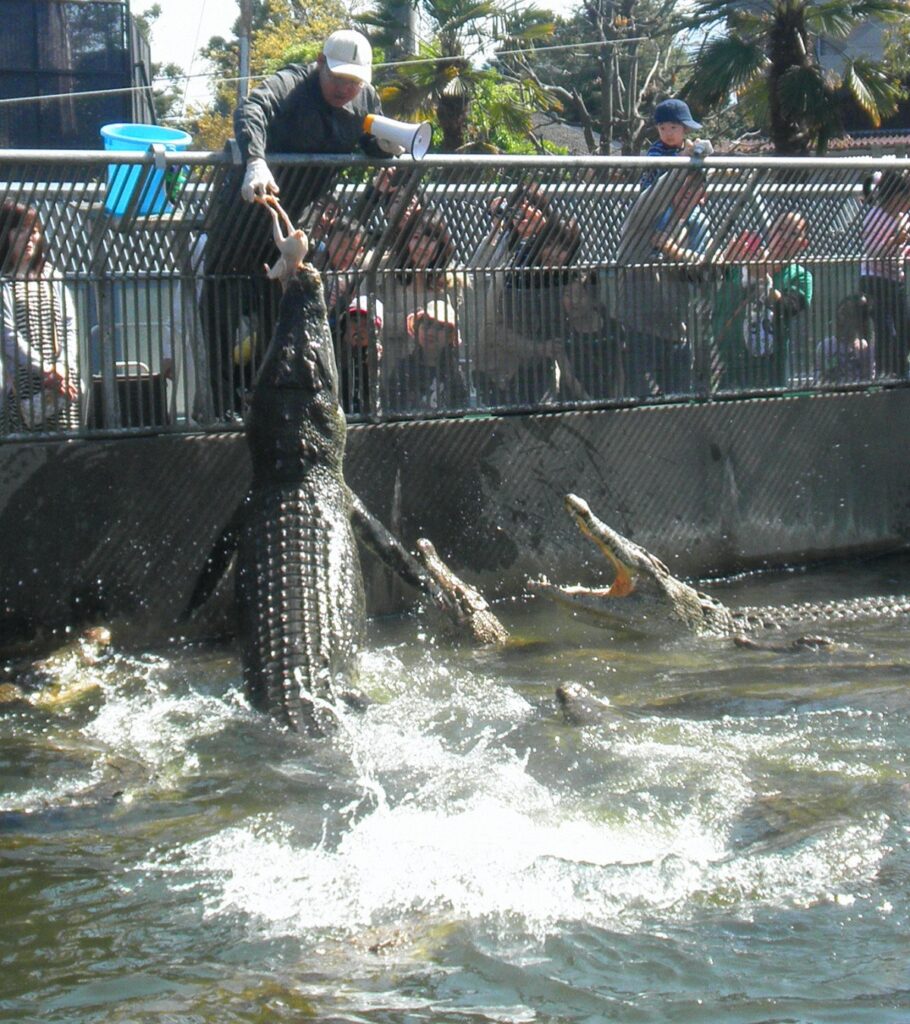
column 287, row 114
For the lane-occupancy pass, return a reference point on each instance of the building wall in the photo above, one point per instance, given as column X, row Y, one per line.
column 53, row 46
column 864, row 42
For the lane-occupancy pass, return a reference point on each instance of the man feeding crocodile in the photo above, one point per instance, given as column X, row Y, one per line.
column 317, row 108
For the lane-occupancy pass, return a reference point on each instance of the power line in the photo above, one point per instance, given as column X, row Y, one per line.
column 528, row 49
column 229, row 80
column 193, row 52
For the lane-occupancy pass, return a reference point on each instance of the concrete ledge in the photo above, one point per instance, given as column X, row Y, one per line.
column 120, row 528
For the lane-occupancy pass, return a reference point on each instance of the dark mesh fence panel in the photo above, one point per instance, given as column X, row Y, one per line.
column 471, row 287
column 48, row 48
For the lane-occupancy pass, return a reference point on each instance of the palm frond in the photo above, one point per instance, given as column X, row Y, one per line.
column 403, row 97
column 537, row 97
column 511, row 115
column 834, row 21
column 454, row 17
column 527, row 25
column 754, row 100
column 875, row 91
column 455, row 87
column 860, row 10
column 705, row 13
column 804, row 94
column 730, row 15
column 724, row 66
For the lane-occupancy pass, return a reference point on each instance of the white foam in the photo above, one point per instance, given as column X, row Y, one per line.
column 148, row 721
column 453, row 822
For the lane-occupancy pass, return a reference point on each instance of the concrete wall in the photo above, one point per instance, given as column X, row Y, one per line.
column 119, row 529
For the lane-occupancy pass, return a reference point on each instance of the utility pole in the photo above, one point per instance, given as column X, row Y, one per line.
column 406, row 16
column 246, row 31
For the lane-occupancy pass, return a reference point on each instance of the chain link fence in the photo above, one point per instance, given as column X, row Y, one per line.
column 455, row 286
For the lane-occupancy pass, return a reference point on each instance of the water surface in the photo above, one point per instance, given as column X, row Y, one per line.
column 728, row 843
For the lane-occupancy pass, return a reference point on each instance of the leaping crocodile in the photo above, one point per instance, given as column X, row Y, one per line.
column 299, row 588
column 645, row 593
column 298, row 583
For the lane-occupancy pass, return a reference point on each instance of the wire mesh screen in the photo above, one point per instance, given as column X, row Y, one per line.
column 453, row 286
column 60, row 49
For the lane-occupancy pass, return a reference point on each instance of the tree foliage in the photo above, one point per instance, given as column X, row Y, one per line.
column 501, row 121
column 282, row 31
column 767, row 56
column 169, row 78
column 615, row 57
column 485, row 73
column 448, row 79
column 294, row 32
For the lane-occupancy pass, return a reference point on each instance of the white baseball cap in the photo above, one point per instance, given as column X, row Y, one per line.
column 362, row 305
column 349, row 54
column 440, row 311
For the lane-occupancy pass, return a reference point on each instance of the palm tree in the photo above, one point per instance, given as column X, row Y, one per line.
column 442, row 79
column 766, row 52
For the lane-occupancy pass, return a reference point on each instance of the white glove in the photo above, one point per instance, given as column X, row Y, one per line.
column 392, row 148
column 258, row 180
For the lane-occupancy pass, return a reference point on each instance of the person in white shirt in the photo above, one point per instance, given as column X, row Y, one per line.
column 886, row 234
column 37, row 328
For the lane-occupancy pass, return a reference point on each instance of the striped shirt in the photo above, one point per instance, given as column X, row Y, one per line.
column 39, row 335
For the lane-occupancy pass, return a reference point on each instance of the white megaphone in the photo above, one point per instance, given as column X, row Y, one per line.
column 407, row 137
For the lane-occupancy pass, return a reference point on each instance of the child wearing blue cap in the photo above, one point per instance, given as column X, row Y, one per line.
column 674, row 122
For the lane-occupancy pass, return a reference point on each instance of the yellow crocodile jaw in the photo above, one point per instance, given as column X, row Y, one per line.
column 624, row 581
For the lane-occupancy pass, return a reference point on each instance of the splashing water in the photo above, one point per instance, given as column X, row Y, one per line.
column 728, row 842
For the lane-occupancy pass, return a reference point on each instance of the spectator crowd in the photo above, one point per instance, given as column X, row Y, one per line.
column 521, row 321
column 430, row 319
column 697, row 296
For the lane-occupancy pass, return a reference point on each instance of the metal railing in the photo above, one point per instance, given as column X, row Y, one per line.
column 456, row 285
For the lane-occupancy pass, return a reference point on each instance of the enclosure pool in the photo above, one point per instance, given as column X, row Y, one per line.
column 729, row 842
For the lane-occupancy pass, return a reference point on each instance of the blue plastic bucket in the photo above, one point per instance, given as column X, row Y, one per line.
column 123, row 179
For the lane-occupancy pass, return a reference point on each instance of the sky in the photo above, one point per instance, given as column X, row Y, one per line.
column 183, row 27
column 186, row 25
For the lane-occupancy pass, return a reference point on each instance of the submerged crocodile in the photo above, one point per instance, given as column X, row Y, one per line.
column 644, row 593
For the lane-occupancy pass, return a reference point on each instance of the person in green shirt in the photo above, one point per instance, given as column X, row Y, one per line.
column 756, row 306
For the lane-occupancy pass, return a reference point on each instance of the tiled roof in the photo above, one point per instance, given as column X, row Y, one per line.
column 872, row 143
